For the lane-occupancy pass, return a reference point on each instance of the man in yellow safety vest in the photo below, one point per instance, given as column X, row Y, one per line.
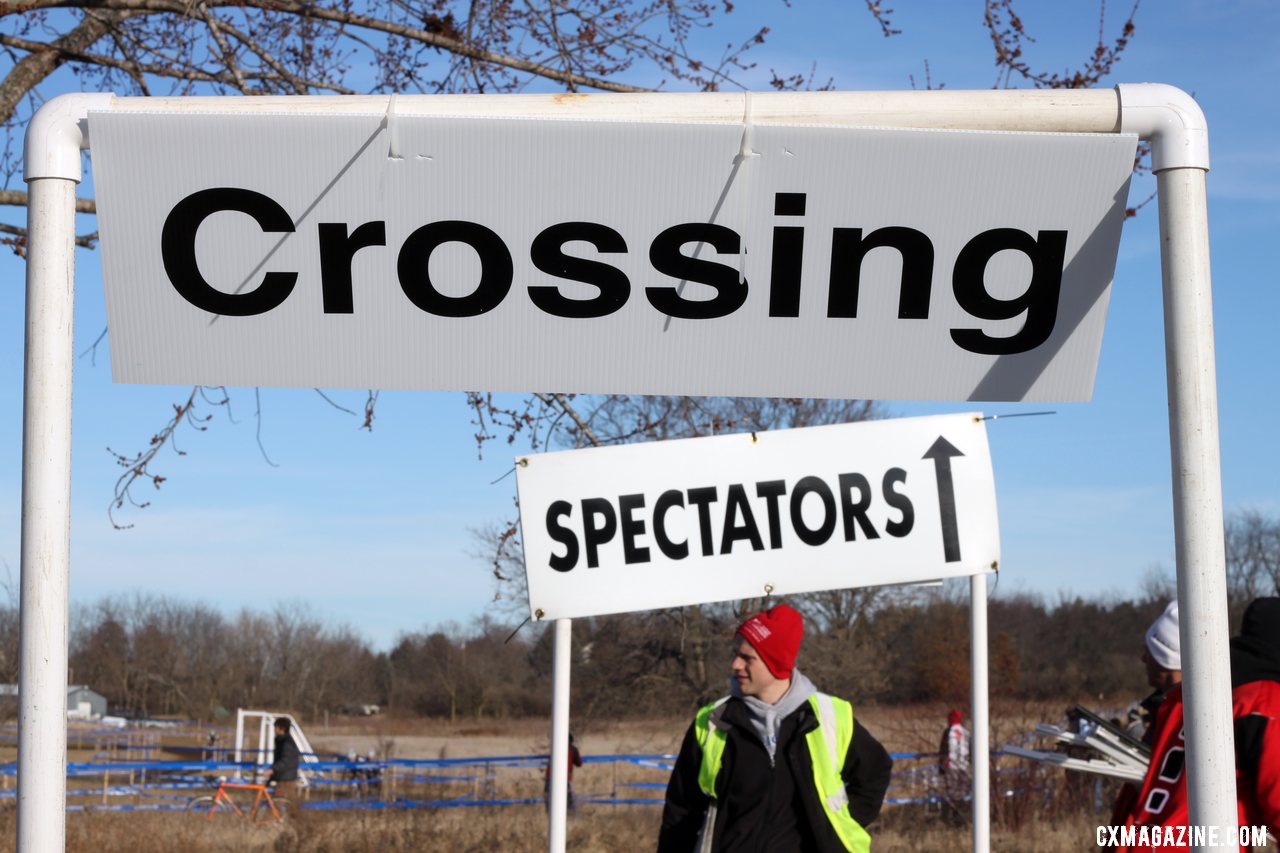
column 776, row 765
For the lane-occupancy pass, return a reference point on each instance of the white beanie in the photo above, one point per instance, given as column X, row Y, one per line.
column 1162, row 639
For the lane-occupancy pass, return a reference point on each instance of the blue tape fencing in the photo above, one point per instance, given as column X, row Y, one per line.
column 124, row 775
column 401, row 783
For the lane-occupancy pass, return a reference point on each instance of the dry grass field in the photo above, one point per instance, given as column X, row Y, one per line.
column 909, row 728
column 605, row 830
column 1039, row 811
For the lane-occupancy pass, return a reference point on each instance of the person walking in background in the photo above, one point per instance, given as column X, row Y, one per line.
column 1255, row 708
column 372, row 774
column 775, row 765
column 575, row 760
column 283, row 772
column 953, row 760
column 211, row 746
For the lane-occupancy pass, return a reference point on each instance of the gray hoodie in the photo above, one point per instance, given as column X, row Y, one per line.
column 766, row 719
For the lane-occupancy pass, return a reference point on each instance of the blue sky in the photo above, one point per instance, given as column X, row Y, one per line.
column 372, row 530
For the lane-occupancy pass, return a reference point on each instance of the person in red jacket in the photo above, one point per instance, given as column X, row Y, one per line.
column 1255, row 698
column 575, row 760
column 953, row 764
column 1162, row 659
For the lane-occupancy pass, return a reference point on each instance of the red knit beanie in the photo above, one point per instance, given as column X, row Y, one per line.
column 775, row 635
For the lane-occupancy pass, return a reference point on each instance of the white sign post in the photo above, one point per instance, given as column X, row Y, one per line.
column 673, row 523
column 987, row 298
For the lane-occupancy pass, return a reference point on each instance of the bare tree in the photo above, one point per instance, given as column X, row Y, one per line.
column 10, row 628
column 1253, row 558
column 152, row 655
column 1251, row 539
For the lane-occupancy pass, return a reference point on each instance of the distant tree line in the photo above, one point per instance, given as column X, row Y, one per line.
column 156, row 656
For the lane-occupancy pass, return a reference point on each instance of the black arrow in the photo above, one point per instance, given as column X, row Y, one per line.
column 941, row 452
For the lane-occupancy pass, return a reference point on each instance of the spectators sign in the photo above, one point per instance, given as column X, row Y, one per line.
column 673, row 523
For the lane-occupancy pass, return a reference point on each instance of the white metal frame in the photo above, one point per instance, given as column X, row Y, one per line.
column 265, row 753
column 1166, row 116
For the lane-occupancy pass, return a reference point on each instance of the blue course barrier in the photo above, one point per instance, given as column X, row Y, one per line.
column 157, row 785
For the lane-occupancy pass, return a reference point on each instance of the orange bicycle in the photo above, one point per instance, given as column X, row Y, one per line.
column 277, row 808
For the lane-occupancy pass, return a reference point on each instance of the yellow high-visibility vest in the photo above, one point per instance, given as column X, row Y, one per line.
column 827, row 744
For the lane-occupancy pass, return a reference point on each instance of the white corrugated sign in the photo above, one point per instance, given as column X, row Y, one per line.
column 596, row 256
column 674, row 523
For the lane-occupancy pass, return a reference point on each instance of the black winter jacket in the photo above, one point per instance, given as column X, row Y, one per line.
column 769, row 806
column 285, row 766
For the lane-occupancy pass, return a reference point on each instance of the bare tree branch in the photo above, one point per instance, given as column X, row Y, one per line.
column 1008, row 33
column 19, row 199
column 331, row 402
column 136, row 467
column 881, row 15
column 559, row 400
column 228, row 55
column 43, row 60
column 343, row 15
column 140, row 70
column 19, row 241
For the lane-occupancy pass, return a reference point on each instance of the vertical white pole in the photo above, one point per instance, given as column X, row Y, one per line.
column 265, row 736
column 46, row 516
column 559, row 739
column 979, row 752
column 1197, row 497
column 239, row 735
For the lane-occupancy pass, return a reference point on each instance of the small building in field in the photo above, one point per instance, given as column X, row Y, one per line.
column 83, row 702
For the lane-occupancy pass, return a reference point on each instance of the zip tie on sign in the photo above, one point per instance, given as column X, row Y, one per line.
column 745, row 151
column 744, row 148
column 392, row 126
